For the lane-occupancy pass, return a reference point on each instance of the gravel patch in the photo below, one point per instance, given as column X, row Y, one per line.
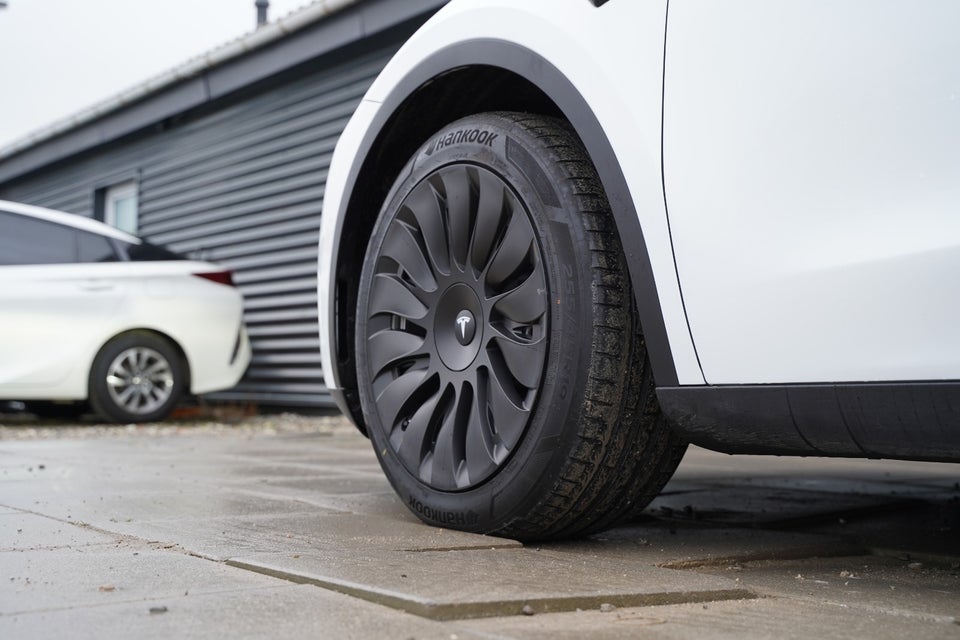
column 28, row 427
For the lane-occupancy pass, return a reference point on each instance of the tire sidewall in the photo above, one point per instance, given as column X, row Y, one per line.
column 533, row 468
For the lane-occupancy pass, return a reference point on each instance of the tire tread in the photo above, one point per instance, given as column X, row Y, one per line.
column 625, row 451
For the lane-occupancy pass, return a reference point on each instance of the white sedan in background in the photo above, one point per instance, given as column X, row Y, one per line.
column 89, row 313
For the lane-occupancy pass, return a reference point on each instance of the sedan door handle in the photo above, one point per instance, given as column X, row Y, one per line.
column 96, row 285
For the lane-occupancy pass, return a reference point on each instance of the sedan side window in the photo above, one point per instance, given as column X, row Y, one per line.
column 94, row 248
column 146, row 252
column 26, row 240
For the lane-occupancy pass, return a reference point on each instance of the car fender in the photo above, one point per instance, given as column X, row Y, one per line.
column 603, row 68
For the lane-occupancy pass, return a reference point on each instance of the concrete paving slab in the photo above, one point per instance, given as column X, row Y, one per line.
column 926, row 529
column 385, row 504
column 337, row 451
column 492, row 582
column 343, row 533
column 888, row 585
column 879, row 505
column 316, row 508
column 169, row 465
column 10, row 458
column 198, row 503
column 126, row 572
column 681, row 545
column 118, row 504
column 25, row 531
column 344, row 447
column 319, row 488
column 244, row 472
column 294, row 611
column 16, row 467
column 761, row 619
column 218, row 539
column 774, row 507
column 334, row 492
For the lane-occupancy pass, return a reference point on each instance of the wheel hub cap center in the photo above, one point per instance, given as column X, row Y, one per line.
column 456, row 332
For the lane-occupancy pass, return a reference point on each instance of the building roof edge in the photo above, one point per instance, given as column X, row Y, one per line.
column 262, row 37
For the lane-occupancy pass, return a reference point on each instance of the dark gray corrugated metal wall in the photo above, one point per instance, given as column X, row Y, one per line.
column 242, row 186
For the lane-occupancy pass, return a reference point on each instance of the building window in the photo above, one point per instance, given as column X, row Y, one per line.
column 120, row 207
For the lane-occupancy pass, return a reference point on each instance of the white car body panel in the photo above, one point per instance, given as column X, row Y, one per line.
column 819, row 140
column 45, row 308
column 55, row 318
column 595, row 49
column 812, row 155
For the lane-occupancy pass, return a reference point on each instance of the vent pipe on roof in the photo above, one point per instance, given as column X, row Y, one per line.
column 262, row 6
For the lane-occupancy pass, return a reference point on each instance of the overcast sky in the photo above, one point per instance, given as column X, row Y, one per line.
column 59, row 56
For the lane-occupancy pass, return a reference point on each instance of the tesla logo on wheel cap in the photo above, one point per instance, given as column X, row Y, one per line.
column 466, row 327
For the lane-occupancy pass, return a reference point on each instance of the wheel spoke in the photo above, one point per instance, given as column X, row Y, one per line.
column 126, row 394
column 126, row 364
column 513, row 252
column 396, row 394
column 402, row 246
column 489, row 218
column 479, row 446
column 410, row 443
column 389, row 295
column 458, row 189
column 115, row 381
column 526, row 303
column 386, row 347
column 423, row 202
column 157, row 368
column 163, row 381
column 509, row 419
column 444, row 460
column 524, row 360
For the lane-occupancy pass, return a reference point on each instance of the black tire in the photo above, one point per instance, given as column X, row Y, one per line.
column 544, row 422
column 136, row 377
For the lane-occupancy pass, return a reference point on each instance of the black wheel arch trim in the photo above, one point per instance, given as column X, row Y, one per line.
column 575, row 108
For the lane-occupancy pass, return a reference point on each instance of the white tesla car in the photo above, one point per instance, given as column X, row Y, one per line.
column 562, row 238
column 88, row 312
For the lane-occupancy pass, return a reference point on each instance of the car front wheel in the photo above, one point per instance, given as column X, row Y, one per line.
column 501, row 367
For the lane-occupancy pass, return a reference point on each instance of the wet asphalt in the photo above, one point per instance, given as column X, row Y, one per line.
column 284, row 526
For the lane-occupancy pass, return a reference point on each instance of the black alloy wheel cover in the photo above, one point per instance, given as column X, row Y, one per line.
column 456, row 326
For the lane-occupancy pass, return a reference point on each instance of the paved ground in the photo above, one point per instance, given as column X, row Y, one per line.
column 284, row 526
